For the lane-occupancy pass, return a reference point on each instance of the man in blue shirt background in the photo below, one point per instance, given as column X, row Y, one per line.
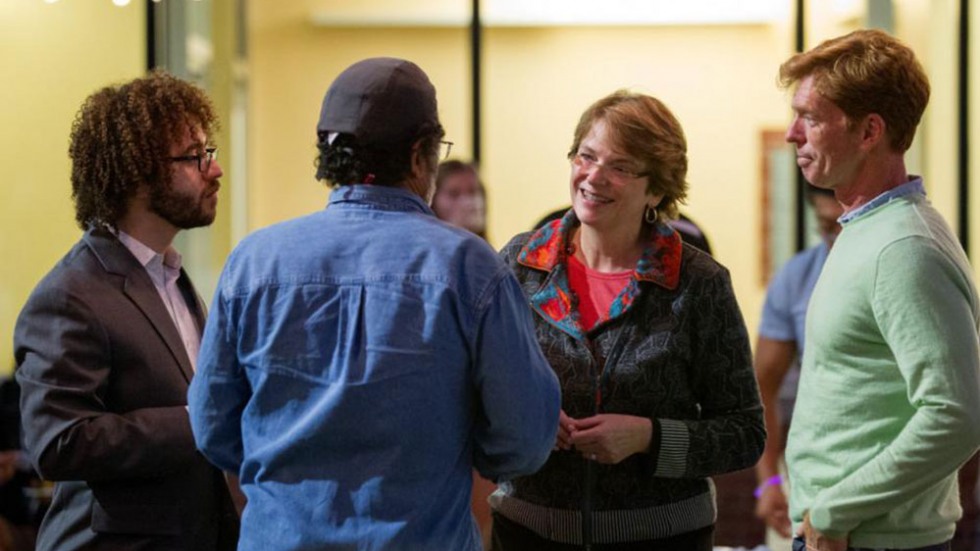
column 360, row 361
column 778, row 352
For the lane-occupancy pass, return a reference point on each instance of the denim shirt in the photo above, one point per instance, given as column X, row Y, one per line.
column 357, row 364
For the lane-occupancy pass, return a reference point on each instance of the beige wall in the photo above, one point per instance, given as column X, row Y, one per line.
column 292, row 62
column 929, row 27
column 51, row 57
column 204, row 250
column 974, row 130
column 719, row 80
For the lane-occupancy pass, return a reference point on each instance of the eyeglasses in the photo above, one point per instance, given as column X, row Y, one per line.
column 616, row 173
column 203, row 159
column 444, row 149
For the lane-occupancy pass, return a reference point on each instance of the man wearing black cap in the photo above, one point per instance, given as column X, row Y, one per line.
column 359, row 362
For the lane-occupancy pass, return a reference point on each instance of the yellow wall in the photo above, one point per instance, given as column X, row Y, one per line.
column 292, row 63
column 930, row 28
column 974, row 130
column 719, row 80
column 51, row 57
column 204, row 250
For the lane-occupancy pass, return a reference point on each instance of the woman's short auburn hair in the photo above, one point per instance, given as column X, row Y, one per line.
column 866, row 71
column 642, row 128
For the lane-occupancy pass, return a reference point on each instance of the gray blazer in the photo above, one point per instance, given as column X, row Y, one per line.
column 104, row 378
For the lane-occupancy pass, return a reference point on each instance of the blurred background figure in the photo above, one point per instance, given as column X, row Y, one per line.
column 460, row 197
column 778, row 353
column 23, row 496
column 690, row 232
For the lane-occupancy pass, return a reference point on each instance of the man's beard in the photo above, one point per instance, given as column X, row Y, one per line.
column 183, row 211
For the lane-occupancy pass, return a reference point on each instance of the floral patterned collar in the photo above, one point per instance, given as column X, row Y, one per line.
column 547, row 249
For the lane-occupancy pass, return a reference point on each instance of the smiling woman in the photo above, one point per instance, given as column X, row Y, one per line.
column 648, row 342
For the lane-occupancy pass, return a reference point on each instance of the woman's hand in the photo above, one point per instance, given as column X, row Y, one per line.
column 565, row 427
column 610, row 438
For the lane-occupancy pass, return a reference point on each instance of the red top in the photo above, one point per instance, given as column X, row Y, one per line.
column 596, row 291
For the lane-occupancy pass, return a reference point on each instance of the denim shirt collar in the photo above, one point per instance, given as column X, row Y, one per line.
column 913, row 186
column 371, row 196
column 547, row 249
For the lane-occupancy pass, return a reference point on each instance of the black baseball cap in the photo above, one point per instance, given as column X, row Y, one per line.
column 380, row 100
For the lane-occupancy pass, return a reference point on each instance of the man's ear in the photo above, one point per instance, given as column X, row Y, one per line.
column 873, row 130
column 418, row 160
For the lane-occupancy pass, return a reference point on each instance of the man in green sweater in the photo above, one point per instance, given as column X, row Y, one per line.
column 889, row 399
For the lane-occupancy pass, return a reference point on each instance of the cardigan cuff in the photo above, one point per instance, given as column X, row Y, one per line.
column 673, row 445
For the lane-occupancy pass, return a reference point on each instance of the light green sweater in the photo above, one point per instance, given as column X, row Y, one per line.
column 889, row 398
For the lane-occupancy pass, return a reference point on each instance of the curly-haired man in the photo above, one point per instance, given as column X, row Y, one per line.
column 106, row 344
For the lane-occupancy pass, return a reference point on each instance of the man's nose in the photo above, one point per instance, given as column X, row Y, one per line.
column 794, row 134
column 214, row 171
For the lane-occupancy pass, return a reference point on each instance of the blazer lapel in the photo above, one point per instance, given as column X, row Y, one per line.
column 138, row 287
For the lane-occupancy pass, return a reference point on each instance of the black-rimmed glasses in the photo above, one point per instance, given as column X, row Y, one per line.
column 203, row 159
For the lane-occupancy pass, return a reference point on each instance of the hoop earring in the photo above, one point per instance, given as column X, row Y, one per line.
column 648, row 217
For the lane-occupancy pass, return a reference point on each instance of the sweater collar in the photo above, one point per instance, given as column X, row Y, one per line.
column 660, row 262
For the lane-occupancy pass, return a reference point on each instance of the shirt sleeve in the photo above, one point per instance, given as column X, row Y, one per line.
column 925, row 308
column 777, row 311
column 518, row 393
column 219, row 391
column 730, row 433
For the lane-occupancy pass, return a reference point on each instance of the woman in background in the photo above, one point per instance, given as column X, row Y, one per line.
column 648, row 341
column 460, row 198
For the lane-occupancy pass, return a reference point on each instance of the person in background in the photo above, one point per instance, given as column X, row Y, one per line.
column 23, row 496
column 648, row 342
column 106, row 344
column 690, row 232
column 891, row 367
column 778, row 353
column 361, row 361
column 460, row 197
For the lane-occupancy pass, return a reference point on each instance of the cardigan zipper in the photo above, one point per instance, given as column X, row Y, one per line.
column 599, row 364
column 598, row 376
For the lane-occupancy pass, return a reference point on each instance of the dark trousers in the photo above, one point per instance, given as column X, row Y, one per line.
column 510, row 536
column 799, row 544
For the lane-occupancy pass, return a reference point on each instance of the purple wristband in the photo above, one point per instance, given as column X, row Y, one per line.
column 771, row 481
